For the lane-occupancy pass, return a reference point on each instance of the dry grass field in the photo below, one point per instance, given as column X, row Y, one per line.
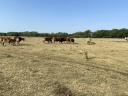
column 38, row 69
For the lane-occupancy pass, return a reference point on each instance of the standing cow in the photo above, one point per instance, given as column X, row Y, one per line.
column 56, row 39
column 59, row 39
column 47, row 39
column 4, row 40
column 16, row 40
column 63, row 39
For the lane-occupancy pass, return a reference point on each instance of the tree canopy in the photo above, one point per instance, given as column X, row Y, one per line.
column 114, row 33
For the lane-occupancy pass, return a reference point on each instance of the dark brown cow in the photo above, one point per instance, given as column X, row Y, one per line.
column 12, row 41
column 68, row 39
column 72, row 40
column 63, row 39
column 59, row 39
column 56, row 39
column 16, row 40
column 48, row 39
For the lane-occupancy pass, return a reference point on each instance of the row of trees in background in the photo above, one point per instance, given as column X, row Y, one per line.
column 34, row 34
column 114, row 33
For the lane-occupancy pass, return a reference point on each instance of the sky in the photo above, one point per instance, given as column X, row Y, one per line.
column 62, row 15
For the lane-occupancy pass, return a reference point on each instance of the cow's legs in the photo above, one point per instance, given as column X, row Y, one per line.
column 17, row 43
column 3, row 43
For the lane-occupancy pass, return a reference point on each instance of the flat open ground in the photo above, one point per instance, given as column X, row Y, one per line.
column 38, row 69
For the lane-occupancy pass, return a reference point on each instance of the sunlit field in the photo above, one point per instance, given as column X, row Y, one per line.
column 39, row 69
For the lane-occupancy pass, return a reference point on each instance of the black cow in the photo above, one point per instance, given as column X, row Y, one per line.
column 72, row 40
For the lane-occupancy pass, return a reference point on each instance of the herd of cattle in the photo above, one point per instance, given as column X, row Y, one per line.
column 59, row 39
column 11, row 40
column 17, row 39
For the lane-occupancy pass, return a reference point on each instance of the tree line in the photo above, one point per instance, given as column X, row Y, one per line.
column 114, row 33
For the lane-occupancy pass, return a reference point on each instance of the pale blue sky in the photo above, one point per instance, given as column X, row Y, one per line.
column 62, row 15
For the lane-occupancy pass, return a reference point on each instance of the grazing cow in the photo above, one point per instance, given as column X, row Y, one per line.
column 56, row 39
column 63, row 39
column 16, row 40
column 59, row 39
column 12, row 41
column 4, row 40
column 68, row 39
column 48, row 39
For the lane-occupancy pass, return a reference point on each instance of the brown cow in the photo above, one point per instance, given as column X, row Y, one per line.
column 16, row 40
column 4, row 40
column 48, row 39
column 12, row 41
column 59, row 39
column 63, row 39
column 56, row 39
column 68, row 39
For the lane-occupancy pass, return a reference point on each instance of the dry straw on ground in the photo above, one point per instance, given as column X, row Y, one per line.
column 32, row 68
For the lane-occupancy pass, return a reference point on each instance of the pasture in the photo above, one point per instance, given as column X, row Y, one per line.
column 38, row 69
